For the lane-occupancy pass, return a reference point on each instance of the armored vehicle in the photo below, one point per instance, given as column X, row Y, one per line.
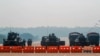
column 13, row 39
column 51, row 40
column 93, row 38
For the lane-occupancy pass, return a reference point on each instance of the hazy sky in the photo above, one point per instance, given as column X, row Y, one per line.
column 61, row 13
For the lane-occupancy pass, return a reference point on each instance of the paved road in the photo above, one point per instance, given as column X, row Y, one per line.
column 46, row 54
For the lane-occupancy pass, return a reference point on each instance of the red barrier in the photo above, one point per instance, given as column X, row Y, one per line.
column 5, row 49
column 28, row 49
column 76, row 49
column 96, row 49
column 64, row 49
column 40, row 49
column 16, row 49
column 52, row 49
column 87, row 49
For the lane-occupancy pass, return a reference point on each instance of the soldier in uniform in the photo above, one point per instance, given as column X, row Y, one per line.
column 54, row 37
column 29, row 42
column 24, row 42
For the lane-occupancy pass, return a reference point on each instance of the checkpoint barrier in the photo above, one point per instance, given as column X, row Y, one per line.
column 16, row 49
column 40, row 49
column 28, row 49
column 52, row 49
column 96, row 49
column 87, row 49
column 5, row 49
column 76, row 49
column 49, row 49
column 64, row 49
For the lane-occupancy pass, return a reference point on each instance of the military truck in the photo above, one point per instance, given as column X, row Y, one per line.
column 72, row 37
column 77, row 39
column 93, row 38
column 81, row 40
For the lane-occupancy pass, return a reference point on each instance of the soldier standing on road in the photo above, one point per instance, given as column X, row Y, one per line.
column 29, row 42
column 24, row 42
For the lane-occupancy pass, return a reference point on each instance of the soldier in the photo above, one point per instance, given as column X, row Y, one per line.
column 29, row 42
column 50, row 37
column 24, row 42
column 4, row 42
column 54, row 37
